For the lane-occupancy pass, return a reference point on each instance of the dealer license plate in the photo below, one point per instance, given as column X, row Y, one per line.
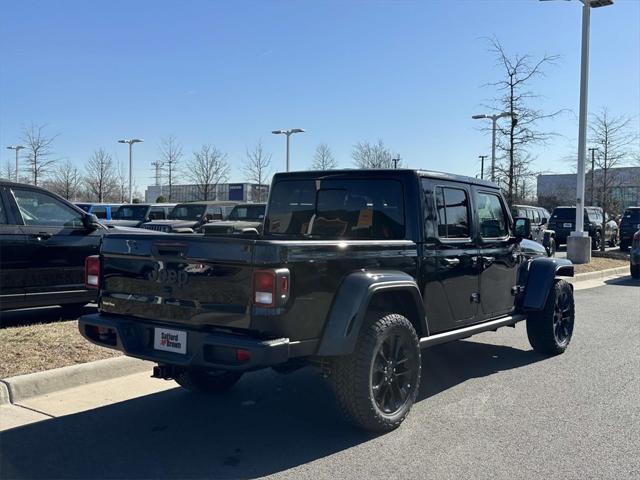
column 567, row 225
column 170, row 340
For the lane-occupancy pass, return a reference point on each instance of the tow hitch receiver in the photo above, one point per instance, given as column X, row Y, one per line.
column 165, row 372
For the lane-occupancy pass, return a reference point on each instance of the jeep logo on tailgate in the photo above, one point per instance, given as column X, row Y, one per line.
column 168, row 276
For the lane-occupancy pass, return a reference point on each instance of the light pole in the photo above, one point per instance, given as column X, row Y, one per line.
column 131, row 141
column 482, row 157
column 17, row 148
column 494, row 119
column 593, row 170
column 288, row 133
column 579, row 243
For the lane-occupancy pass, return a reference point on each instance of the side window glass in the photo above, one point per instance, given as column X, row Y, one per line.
column 536, row 217
column 452, row 205
column 156, row 214
column 3, row 213
column 38, row 208
column 493, row 223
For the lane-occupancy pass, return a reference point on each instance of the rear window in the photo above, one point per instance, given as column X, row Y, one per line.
column 564, row 214
column 341, row 209
column 633, row 215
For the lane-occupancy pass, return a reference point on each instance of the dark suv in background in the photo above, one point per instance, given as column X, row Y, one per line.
column 563, row 223
column 629, row 224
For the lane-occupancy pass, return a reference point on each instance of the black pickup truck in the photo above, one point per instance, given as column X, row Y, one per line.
column 354, row 272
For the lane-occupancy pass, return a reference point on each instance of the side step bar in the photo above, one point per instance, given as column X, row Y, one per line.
column 465, row 332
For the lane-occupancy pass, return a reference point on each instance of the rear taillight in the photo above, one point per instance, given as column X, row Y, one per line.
column 271, row 287
column 92, row 272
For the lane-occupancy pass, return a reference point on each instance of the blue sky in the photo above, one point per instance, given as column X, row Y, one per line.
column 227, row 73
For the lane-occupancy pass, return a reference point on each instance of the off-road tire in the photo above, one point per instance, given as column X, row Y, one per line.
column 635, row 271
column 201, row 381
column 546, row 333
column 624, row 246
column 596, row 240
column 352, row 376
column 613, row 242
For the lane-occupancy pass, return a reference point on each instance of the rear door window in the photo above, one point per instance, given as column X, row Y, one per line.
column 157, row 214
column 452, row 205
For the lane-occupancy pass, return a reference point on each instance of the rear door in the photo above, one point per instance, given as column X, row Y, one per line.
column 499, row 257
column 452, row 299
column 14, row 261
column 57, row 242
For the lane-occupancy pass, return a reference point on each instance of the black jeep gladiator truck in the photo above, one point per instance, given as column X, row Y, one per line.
column 354, row 272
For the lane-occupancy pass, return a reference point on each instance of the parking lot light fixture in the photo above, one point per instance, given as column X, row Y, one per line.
column 494, row 119
column 17, row 148
column 131, row 141
column 288, row 133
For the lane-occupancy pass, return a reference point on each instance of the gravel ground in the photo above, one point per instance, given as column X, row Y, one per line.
column 43, row 346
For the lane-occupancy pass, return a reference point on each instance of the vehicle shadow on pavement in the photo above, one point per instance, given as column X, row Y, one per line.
column 623, row 282
column 32, row 316
column 268, row 423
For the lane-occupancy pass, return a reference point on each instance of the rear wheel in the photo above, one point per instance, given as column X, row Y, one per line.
column 207, row 381
column 635, row 271
column 614, row 240
column 550, row 329
column 596, row 241
column 624, row 246
column 377, row 384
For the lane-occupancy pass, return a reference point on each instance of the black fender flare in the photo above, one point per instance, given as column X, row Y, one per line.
column 350, row 307
column 541, row 276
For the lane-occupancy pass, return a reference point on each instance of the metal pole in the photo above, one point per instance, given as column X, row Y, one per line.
column 17, row 165
column 582, row 129
column 130, row 171
column 288, row 135
column 493, row 149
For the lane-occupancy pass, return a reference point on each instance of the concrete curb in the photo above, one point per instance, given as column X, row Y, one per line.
column 582, row 277
column 17, row 389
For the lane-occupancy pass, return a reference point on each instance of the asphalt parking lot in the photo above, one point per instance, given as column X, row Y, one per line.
column 488, row 408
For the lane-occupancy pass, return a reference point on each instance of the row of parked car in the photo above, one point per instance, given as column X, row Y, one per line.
column 44, row 239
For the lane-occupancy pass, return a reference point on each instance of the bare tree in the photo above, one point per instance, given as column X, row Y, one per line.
column 66, row 180
column 122, row 184
column 323, row 159
column 368, row 155
column 613, row 138
column 9, row 171
column 170, row 156
column 257, row 169
column 100, row 177
column 206, row 170
column 515, row 96
column 38, row 150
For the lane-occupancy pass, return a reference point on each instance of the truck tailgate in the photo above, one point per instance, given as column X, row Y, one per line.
column 181, row 279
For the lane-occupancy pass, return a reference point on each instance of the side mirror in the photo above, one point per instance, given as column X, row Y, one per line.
column 544, row 221
column 522, row 228
column 91, row 222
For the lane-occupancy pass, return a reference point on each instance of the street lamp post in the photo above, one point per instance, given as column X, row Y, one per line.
column 494, row 119
column 578, row 242
column 17, row 148
column 131, row 141
column 288, row 133
column 482, row 157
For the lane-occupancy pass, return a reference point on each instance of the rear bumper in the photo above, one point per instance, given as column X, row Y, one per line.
column 206, row 350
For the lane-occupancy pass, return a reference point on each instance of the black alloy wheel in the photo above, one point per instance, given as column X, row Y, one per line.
column 563, row 317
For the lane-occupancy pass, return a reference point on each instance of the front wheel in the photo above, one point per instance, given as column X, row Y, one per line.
column 377, row 384
column 203, row 381
column 596, row 241
column 613, row 242
column 550, row 329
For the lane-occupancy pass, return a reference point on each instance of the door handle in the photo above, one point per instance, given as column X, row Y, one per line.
column 451, row 262
column 41, row 236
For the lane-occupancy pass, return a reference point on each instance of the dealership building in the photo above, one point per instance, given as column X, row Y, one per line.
column 624, row 183
column 241, row 192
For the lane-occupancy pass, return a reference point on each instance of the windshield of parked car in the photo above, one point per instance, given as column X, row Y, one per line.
column 335, row 208
column 187, row 212
column 130, row 212
column 247, row 213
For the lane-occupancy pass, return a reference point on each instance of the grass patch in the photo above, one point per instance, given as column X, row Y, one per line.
column 599, row 263
column 33, row 348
